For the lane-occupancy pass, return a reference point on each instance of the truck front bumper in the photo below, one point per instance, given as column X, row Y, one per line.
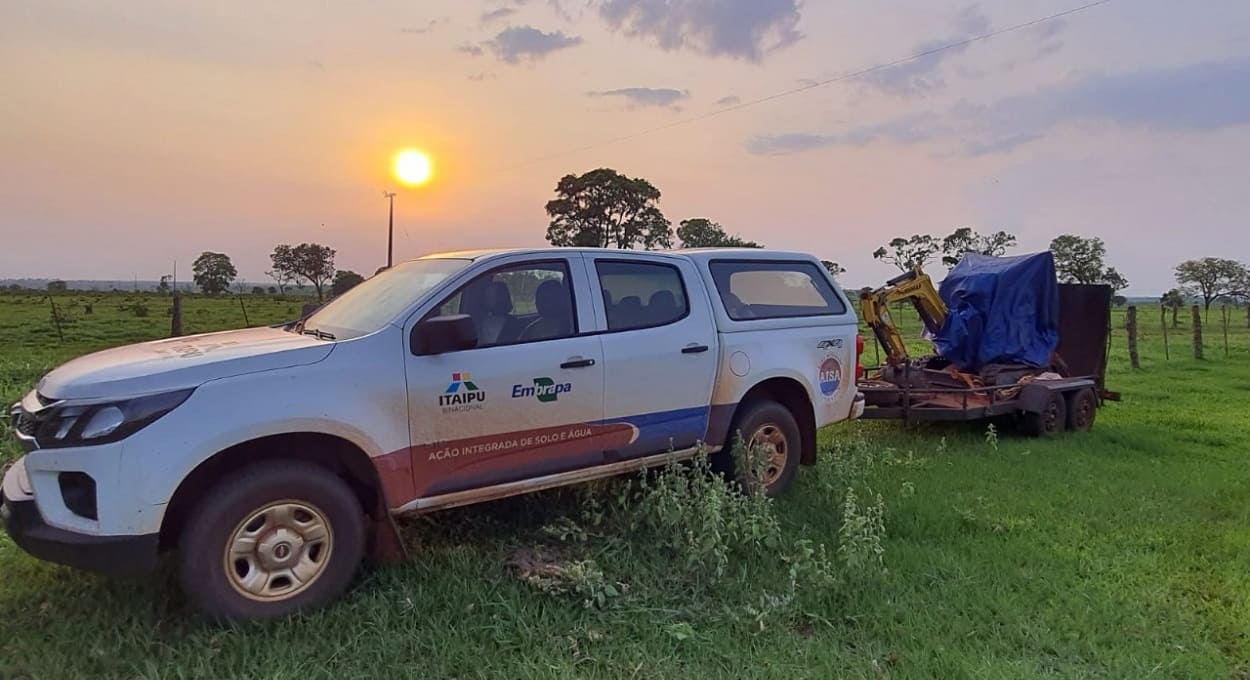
column 113, row 555
column 118, row 555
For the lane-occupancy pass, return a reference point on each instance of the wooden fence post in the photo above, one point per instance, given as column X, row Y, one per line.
column 1197, row 332
column 1130, row 325
column 246, row 323
column 1163, row 319
column 175, row 319
column 1224, row 316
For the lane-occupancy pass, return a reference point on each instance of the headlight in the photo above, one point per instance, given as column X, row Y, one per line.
column 82, row 425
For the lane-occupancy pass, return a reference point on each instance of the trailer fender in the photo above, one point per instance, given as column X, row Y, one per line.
column 1034, row 396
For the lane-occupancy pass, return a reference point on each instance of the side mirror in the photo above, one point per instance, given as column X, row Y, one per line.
column 441, row 334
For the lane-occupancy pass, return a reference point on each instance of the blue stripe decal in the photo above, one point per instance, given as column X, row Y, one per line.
column 657, row 431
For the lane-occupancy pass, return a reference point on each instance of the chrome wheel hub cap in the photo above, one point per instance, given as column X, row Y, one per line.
column 278, row 551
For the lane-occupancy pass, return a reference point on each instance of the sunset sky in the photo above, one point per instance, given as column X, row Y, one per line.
column 134, row 133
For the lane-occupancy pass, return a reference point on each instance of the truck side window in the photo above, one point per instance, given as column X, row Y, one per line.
column 641, row 294
column 521, row 303
column 761, row 289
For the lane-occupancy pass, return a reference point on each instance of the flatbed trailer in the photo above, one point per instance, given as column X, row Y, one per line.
column 1045, row 403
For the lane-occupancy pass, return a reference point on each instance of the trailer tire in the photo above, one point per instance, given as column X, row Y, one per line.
column 1050, row 420
column 1082, row 408
column 271, row 539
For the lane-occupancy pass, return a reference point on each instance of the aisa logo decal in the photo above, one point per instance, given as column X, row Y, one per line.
column 543, row 389
column 830, row 376
column 461, row 394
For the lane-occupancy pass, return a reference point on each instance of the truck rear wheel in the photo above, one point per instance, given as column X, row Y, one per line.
column 1050, row 420
column 270, row 540
column 772, row 431
column 1082, row 408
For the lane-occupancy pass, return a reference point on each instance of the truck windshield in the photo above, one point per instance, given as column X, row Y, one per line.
column 376, row 302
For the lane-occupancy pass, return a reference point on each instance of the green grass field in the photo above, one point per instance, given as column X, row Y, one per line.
column 1120, row 553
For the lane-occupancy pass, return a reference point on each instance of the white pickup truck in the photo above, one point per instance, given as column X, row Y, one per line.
column 274, row 459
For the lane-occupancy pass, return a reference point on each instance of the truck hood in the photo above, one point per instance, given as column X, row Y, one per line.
column 180, row 363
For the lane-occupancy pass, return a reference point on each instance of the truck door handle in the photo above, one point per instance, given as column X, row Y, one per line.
column 578, row 363
column 693, row 349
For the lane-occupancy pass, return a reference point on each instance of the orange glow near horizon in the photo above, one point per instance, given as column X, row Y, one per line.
column 413, row 167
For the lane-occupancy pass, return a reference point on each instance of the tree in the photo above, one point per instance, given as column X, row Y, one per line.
column 1118, row 300
column 57, row 286
column 283, row 272
column 1173, row 299
column 965, row 240
column 307, row 261
column 908, row 253
column 163, row 286
column 213, row 272
column 1080, row 260
column 314, row 262
column 834, row 268
column 603, row 208
column 1213, row 278
column 700, row 232
column 344, row 281
column 258, row 290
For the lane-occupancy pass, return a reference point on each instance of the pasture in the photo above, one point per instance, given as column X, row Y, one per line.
column 1120, row 553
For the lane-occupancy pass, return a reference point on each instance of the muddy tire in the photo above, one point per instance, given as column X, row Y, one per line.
column 270, row 540
column 1082, row 409
column 1051, row 420
column 771, row 427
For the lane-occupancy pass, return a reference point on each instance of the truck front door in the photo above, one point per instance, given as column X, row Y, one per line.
column 528, row 399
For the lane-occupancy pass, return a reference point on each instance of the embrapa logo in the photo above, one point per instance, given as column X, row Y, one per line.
column 461, row 394
column 544, row 389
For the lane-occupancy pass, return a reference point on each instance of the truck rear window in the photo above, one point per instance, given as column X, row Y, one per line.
column 759, row 289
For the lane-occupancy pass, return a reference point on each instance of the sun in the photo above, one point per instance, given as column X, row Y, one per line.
column 413, row 167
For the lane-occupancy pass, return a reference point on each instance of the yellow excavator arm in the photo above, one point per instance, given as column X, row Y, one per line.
column 915, row 287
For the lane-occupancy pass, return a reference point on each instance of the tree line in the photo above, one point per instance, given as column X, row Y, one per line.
column 310, row 263
column 604, row 209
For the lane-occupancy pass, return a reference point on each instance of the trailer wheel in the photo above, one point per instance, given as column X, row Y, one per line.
column 1050, row 420
column 269, row 540
column 1082, row 408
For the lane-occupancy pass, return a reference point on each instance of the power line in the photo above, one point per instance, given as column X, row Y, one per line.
column 807, row 86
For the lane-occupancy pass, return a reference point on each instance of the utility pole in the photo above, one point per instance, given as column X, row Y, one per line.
column 390, row 230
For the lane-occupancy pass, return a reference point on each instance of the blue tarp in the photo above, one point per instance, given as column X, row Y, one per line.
column 1000, row 310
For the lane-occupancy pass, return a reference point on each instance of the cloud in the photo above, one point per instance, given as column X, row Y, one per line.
column 479, row 77
column 923, row 74
column 515, row 43
column 471, row 50
column 741, row 29
column 910, row 129
column 496, row 14
column 429, row 26
column 1196, row 98
column 729, row 100
column 787, row 143
column 645, row 96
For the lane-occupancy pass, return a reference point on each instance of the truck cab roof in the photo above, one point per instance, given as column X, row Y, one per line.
column 701, row 255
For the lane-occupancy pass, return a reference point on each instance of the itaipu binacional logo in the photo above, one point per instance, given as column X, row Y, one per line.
column 830, row 376
column 543, row 389
column 461, row 394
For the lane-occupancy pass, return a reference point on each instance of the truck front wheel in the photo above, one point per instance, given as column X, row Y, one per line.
column 270, row 540
column 773, row 445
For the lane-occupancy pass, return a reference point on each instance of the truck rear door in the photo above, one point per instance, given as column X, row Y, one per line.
column 659, row 347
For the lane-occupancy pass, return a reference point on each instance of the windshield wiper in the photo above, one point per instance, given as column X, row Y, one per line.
column 318, row 333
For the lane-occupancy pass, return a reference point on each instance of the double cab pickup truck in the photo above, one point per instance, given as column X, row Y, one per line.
column 272, row 460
